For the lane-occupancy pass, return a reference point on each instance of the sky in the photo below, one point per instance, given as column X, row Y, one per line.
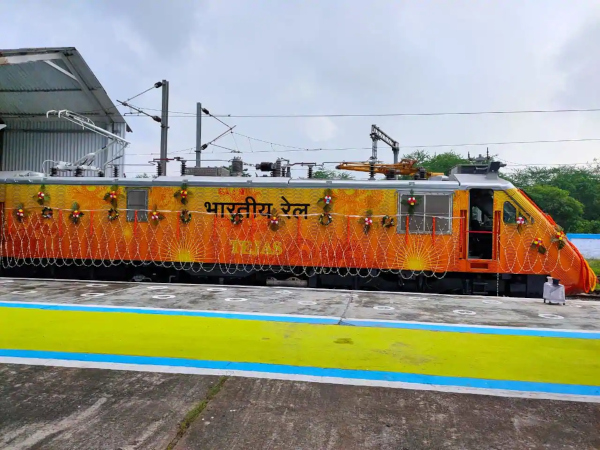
column 337, row 57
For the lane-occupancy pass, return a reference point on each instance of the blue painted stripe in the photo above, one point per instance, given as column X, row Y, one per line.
column 583, row 236
column 572, row 334
column 374, row 375
column 179, row 312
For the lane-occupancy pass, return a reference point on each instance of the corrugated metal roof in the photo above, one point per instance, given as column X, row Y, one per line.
column 33, row 81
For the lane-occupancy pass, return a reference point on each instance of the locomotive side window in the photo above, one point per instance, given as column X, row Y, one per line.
column 509, row 213
column 137, row 200
column 432, row 206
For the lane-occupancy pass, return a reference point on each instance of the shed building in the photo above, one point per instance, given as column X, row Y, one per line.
column 34, row 81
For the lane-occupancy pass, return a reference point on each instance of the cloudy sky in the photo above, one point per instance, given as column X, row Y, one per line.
column 338, row 57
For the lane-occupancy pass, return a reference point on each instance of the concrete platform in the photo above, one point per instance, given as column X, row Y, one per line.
column 71, row 408
column 492, row 346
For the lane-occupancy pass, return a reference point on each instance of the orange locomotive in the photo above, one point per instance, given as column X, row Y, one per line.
column 470, row 232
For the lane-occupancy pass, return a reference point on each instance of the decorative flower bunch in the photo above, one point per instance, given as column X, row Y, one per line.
column 76, row 214
column 367, row 221
column 47, row 213
column 325, row 219
column 20, row 212
column 112, row 196
column 185, row 216
column 182, row 194
column 113, row 214
column 155, row 216
column 411, row 202
column 326, row 201
column 539, row 245
column 41, row 196
column 520, row 222
column 236, row 218
column 560, row 238
column 274, row 221
column 387, row 222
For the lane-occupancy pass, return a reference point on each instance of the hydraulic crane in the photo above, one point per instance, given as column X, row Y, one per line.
column 407, row 167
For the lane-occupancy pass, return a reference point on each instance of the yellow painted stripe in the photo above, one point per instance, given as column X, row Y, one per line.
column 521, row 358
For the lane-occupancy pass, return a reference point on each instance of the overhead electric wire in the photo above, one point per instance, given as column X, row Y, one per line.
column 397, row 114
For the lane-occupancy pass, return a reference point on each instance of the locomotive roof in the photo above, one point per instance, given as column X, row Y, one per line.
column 451, row 183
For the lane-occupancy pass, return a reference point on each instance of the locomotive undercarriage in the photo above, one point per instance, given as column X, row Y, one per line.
column 456, row 283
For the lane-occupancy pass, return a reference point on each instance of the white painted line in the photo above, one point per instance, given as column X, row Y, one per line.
column 6, row 281
column 384, row 308
column 306, row 302
column 96, row 285
column 158, row 288
column 216, row 289
column 163, row 296
column 293, row 377
column 491, row 302
column 550, row 316
column 464, row 312
column 93, row 294
column 236, row 299
column 23, row 292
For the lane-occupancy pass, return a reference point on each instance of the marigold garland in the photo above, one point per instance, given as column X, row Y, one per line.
column 47, row 213
column 325, row 219
column 236, row 218
column 182, row 194
column 76, row 214
column 275, row 221
column 113, row 195
column 185, row 216
column 538, row 244
column 42, row 196
column 113, row 214
column 20, row 213
column 156, row 216
column 387, row 222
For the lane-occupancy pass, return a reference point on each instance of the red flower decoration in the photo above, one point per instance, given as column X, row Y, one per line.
column 327, row 199
column 20, row 213
column 412, row 201
column 368, row 221
column 41, row 195
column 520, row 221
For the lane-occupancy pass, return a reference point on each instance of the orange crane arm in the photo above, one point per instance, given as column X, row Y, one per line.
column 406, row 167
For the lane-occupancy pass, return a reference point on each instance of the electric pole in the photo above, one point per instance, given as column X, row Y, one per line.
column 164, row 126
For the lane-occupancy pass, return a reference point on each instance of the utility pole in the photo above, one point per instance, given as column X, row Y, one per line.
column 198, row 134
column 164, row 126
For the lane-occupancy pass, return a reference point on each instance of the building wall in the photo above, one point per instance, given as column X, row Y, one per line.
column 27, row 144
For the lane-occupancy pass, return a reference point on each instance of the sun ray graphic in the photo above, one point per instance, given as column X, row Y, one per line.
column 185, row 249
column 419, row 255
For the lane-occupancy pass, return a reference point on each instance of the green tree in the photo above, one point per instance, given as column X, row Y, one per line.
column 326, row 174
column 439, row 162
column 564, row 209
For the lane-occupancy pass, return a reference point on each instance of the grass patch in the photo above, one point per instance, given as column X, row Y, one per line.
column 595, row 265
column 195, row 412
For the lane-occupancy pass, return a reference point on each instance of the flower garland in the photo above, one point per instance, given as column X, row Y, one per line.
column 113, row 195
column 367, row 221
column 539, row 245
column 325, row 219
column 155, row 216
column 182, row 194
column 520, row 223
column 326, row 201
column 560, row 238
column 42, row 196
column 236, row 218
column 113, row 214
column 411, row 202
column 20, row 213
column 387, row 222
column 185, row 216
column 47, row 213
column 76, row 214
column 274, row 221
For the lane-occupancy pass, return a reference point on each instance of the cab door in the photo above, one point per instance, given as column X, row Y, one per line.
column 481, row 228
